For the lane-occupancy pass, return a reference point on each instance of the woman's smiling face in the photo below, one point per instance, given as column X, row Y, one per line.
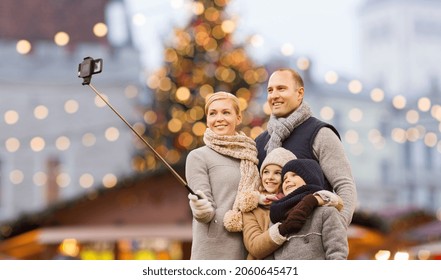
column 222, row 117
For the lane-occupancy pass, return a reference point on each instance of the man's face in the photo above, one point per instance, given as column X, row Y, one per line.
column 284, row 95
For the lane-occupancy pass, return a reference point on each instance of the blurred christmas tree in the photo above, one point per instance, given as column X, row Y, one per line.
column 201, row 59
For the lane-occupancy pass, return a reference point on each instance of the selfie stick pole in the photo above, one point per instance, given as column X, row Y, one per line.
column 143, row 140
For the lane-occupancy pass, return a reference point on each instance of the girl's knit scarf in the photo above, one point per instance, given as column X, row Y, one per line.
column 281, row 128
column 241, row 147
column 280, row 208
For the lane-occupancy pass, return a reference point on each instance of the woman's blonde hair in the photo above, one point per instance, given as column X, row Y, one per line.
column 222, row 95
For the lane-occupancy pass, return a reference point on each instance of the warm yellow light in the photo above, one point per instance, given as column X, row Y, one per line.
column 355, row 86
column 131, row 91
column 205, row 90
column 153, row 82
column 61, row 38
column 63, row 180
column 88, row 139
column 430, row 139
column 71, row 106
column 173, row 156
column 11, row 117
column 16, row 176
column 401, row 256
column 40, row 178
column 212, row 14
column 183, row 94
column 377, row 95
column 185, row 139
column 12, row 144
column 244, row 93
column 62, row 143
column 37, row 144
column 165, row 84
column 41, row 112
column 228, row 26
column 243, row 104
column 436, row 112
column 218, row 32
column 327, row 113
column 201, row 36
column 399, row 102
column 100, row 29
column 221, row 3
column 287, row 49
column 109, row 180
column 150, row 117
column 424, row 104
column 69, row 247
column 413, row 134
column 198, row 8
column 170, row 55
column 112, row 134
column 196, row 113
column 412, row 116
column 199, row 128
column 382, row 255
column 355, row 115
column 303, row 63
column 399, row 135
column 174, row 125
column 331, row 77
column 251, row 77
column 256, row 40
column 86, row 180
column 23, row 47
column 262, row 74
column 423, row 254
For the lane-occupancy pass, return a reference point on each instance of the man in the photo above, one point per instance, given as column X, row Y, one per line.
column 293, row 127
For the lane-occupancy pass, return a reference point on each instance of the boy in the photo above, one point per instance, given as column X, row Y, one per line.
column 321, row 235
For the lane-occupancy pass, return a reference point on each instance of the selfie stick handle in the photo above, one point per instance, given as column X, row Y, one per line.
column 144, row 141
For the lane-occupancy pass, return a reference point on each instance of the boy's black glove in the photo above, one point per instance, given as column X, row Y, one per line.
column 297, row 216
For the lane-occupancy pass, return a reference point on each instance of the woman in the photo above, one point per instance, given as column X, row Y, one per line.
column 224, row 175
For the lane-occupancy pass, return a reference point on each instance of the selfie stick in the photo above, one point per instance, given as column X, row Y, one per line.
column 86, row 81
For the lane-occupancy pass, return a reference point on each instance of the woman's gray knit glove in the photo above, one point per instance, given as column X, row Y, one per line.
column 201, row 208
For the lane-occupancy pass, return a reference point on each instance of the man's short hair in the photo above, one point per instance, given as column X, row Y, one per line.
column 295, row 75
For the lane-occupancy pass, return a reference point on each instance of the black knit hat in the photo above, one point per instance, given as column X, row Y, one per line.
column 308, row 169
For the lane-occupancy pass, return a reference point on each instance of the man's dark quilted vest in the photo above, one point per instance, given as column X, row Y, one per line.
column 299, row 142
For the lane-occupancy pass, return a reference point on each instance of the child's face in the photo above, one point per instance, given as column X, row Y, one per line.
column 272, row 178
column 291, row 182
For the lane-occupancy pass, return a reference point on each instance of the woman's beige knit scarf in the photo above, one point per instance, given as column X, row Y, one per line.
column 244, row 148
